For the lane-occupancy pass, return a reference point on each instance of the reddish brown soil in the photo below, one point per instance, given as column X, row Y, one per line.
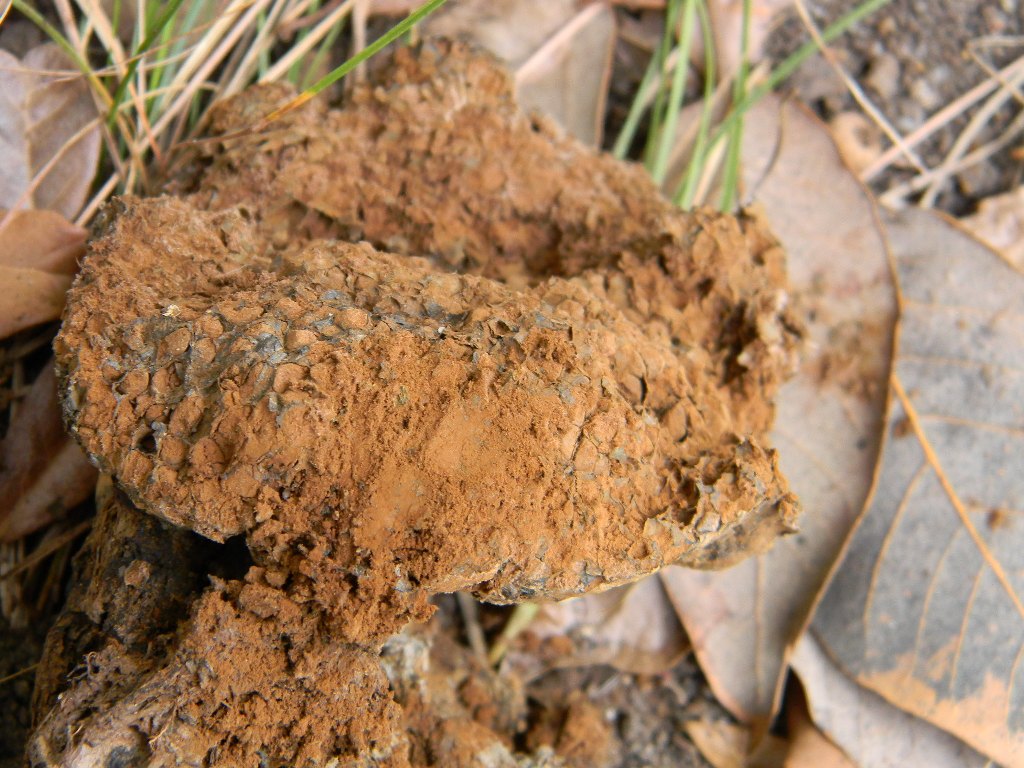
column 534, row 378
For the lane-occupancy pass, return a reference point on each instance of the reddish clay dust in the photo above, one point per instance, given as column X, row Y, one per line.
column 420, row 344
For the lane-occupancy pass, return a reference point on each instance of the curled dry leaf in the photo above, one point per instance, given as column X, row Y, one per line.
column 562, row 53
column 743, row 621
column 43, row 472
column 869, row 729
column 926, row 608
column 858, row 139
column 48, row 126
column 38, row 257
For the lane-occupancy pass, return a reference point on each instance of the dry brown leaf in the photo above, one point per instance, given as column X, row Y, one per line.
column 721, row 743
column 41, row 240
column 561, row 52
column 726, row 745
column 43, row 473
column 47, row 118
column 999, row 222
column 743, row 621
column 38, row 257
column 926, row 608
column 808, row 747
column 30, row 297
column 873, row 732
column 631, row 628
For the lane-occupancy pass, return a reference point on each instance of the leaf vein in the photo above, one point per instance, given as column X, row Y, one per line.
column 954, row 499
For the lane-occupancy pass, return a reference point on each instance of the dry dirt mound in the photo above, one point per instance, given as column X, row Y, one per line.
column 417, row 345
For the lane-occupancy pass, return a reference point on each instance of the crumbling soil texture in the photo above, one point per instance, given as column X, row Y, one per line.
column 421, row 344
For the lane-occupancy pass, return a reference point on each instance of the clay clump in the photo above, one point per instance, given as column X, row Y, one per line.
column 421, row 344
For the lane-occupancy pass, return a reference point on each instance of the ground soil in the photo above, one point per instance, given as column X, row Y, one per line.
column 533, row 377
column 914, row 57
column 645, row 715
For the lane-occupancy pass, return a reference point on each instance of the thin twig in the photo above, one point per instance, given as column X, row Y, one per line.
column 294, row 19
column 471, row 621
column 204, row 68
column 19, row 673
column 557, row 41
column 937, row 121
column 282, row 65
column 360, row 17
column 895, row 196
column 263, row 42
column 978, row 122
column 234, row 16
column 856, row 91
column 97, row 200
column 47, row 549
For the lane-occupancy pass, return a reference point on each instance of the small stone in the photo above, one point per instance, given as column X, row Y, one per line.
column 884, row 75
column 925, row 94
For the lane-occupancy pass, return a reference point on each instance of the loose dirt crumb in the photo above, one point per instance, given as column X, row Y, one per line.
column 532, row 377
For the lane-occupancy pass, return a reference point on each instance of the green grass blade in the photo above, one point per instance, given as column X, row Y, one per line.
column 688, row 188
column 182, row 31
column 153, row 34
column 667, row 132
column 371, row 50
column 658, row 111
column 264, row 56
column 731, row 174
column 777, row 76
column 792, row 62
column 321, row 52
column 636, row 110
column 294, row 74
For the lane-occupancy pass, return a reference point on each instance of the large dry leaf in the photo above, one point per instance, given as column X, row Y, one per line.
column 743, row 621
column 38, row 257
column 561, row 52
column 631, row 628
column 43, row 472
column 926, row 608
column 873, row 732
column 47, row 118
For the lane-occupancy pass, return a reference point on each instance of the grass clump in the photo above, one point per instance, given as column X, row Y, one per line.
column 154, row 92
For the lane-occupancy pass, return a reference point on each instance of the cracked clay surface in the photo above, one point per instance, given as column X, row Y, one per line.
column 417, row 345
